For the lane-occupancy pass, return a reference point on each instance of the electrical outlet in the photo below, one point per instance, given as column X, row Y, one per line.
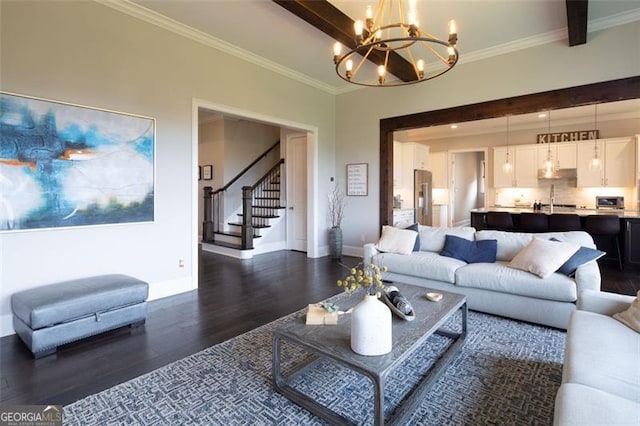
column 180, row 263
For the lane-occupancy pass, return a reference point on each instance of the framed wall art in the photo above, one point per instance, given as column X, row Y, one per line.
column 66, row 165
column 357, row 179
column 207, row 172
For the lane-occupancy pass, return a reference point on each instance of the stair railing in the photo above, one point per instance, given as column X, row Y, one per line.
column 213, row 201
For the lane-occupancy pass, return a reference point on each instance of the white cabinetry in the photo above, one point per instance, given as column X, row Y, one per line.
column 439, row 169
column 524, row 161
column 617, row 157
column 397, row 165
column 403, row 217
column 439, row 215
column 417, row 155
column 563, row 155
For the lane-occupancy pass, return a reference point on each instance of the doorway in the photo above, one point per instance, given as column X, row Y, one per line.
column 296, row 184
column 468, row 180
column 309, row 216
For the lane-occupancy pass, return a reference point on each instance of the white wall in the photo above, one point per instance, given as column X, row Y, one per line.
column 608, row 55
column 90, row 54
column 210, row 153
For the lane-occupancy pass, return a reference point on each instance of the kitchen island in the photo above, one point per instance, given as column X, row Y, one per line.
column 629, row 224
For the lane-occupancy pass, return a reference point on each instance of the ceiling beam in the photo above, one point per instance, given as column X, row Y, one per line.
column 331, row 21
column 577, row 21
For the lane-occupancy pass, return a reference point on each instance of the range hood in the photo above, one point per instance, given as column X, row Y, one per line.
column 558, row 174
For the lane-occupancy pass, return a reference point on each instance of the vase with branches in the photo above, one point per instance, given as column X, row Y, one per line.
column 337, row 203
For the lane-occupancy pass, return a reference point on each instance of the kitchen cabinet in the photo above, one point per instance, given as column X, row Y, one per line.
column 416, row 155
column 524, row 173
column 403, row 217
column 564, row 155
column 439, row 213
column 439, row 170
column 397, row 165
column 632, row 242
column 617, row 157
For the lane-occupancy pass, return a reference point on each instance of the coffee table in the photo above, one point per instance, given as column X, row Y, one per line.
column 333, row 343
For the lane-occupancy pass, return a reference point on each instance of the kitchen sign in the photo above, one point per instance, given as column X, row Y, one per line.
column 580, row 135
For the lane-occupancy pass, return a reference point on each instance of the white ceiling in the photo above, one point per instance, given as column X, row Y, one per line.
column 267, row 34
column 584, row 115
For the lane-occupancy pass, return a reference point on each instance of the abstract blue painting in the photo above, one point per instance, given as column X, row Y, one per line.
column 64, row 165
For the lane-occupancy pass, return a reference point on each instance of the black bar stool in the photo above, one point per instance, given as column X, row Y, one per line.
column 533, row 222
column 605, row 226
column 500, row 221
column 564, row 222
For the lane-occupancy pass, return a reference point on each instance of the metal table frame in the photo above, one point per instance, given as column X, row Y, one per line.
column 375, row 368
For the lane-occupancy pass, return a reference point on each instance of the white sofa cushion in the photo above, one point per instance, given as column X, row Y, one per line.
column 500, row 278
column 432, row 237
column 602, row 353
column 511, row 243
column 585, row 406
column 543, row 257
column 396, row 240
column 420, row 264
column 631, row 316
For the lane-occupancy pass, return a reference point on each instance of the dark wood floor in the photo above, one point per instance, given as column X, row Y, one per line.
column 234, row 296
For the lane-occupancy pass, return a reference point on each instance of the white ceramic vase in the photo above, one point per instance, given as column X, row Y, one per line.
column 371, row 327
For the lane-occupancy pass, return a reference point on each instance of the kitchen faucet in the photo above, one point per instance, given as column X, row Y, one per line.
column 551, row 198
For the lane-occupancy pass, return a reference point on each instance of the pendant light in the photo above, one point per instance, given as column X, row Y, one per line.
column 549, row 164
column 596, row 163
column 507, row 167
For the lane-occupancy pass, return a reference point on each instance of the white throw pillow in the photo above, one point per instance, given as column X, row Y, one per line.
column 631, row 317
column 396, row 240
column 543, row 257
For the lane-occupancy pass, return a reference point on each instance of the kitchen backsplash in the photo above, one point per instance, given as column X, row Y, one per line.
column 565, row 193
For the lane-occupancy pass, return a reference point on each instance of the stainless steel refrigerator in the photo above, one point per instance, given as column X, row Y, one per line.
column 422, row 200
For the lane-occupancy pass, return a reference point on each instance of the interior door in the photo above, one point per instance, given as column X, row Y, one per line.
column 296, row 162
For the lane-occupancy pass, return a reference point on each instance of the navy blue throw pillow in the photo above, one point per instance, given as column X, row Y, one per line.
column 414, row 227
column 470, row 251
column 579, row 258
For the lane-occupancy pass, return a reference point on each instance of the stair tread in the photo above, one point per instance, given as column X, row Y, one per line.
column 266, row 198
column 268, row 207
column 262, row 216
column 254, row 226
column 232, row 234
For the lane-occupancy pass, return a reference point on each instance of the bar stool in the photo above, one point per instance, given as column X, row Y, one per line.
column 605, row 226
column 533, row 222
column 500, row 221
column 564, row 222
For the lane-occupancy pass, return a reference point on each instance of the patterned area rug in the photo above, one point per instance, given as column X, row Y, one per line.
column 508, row 373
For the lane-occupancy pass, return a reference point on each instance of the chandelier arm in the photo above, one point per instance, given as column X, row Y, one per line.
column 436, row 54
column 413, row 62
column 362, row 61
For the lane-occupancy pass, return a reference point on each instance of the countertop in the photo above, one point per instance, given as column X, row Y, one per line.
column 634, row 214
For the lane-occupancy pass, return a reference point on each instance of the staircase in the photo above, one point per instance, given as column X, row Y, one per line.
column 261, row 207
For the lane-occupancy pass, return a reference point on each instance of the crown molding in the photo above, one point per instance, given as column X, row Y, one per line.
column 154, row 18
column 550, row 37
column 159, row 20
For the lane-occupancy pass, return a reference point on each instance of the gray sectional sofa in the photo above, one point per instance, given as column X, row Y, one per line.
column 601, row 371
column 494, row 288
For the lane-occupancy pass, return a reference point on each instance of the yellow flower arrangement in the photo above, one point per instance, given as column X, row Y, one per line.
column 368, row 277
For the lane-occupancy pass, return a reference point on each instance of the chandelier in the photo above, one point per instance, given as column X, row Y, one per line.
column 391, row 42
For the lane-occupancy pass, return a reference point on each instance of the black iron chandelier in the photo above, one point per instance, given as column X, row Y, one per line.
column 388, row 39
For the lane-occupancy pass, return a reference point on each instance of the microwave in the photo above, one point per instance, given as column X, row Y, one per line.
column 608, row 202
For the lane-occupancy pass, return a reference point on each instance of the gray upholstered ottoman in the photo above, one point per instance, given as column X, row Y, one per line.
column 52, row 315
